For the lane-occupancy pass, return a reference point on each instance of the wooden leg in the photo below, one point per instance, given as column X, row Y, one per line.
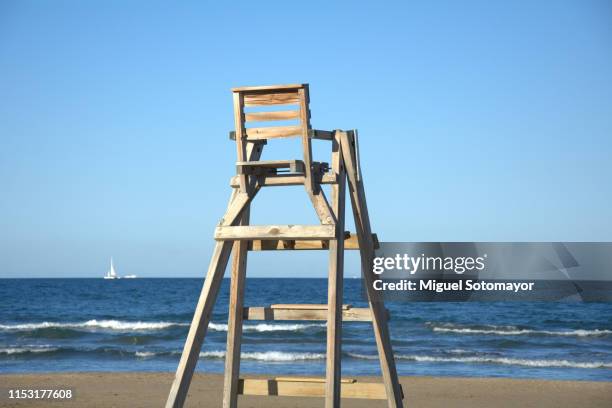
column 334, row 293
column 236, row 302
column 199, row 325
column 234, row 325
column 366, row 245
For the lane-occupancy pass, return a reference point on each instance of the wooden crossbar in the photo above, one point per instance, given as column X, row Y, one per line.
column 273, row 132
column 312, row 134
column 275, row 180
column 350, row 243
column 305, row 306
column 356, row 314
column 282, row 387
column 271, row 116
column 289, row 97
column 263, row 232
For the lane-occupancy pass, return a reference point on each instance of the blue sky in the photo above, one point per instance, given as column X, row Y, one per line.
column 479, row 121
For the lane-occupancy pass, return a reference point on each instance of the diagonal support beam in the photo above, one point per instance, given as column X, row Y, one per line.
column 366, row 245
column 199, row 325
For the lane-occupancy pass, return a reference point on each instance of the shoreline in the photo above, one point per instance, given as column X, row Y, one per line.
column 146, row 389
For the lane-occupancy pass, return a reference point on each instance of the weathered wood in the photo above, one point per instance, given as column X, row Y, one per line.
column 312, row 133
column 304, row 101
column 334, row 286
column 314, row 379
column 234, row 324
column 320, row 204
column 310, row 388
column 305, row 306
column 236, row 207
column 366, row 245
column 273, row 132
column 270, row 116
column 199, row 325
column 255, row 167
column 275, row 180
column 350, row 243
column 241, row 149
column 330, row 235
column 301, row 232
column 355, row 314
column 320, row 134
column 236, row 302
column 290, row 97
column 267, row 88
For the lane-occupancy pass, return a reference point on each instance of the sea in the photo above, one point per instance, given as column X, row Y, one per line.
column 54, row 325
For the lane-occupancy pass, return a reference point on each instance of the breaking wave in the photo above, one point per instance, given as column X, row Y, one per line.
column 117, row 325
column 27, row 350
column 276, row 356
column 493, row 360
column 513, row 330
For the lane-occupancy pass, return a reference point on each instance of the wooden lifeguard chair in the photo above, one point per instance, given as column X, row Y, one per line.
column 234, row 234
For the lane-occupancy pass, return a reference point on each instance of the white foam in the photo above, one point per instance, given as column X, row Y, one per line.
column 144, row 354
column 279, row 356
column 494, row 360
column 27, row 349
column 118, row 325
column 515, row 331
column 266, row 327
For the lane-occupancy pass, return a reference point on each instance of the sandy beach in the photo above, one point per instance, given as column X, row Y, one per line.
column 150, row 390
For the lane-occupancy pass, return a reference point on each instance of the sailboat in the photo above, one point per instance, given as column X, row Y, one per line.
column 111, row 274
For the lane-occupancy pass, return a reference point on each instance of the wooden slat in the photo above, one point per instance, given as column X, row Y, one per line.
column 267, row 87
column 266, row 99
column 305, row 306
column 313, row 379
column 355, row 314
column 312, row 133
column 310, row 388
column 268, row 116
column 285, row 180
column 273, row 132
column 302, row 232
column 350, row 243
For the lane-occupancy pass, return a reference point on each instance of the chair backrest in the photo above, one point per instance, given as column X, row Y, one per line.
column 266, row 104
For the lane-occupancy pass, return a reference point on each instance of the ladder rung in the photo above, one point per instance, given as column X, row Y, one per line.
column 283, row 232
column 309, row 387
column 314, row 379
column 276, row 312
column 350, row 243
column 305, row 306
column 271, row 180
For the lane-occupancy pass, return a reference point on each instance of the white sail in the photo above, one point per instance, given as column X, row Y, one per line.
column 112, row 269
column 111, row 274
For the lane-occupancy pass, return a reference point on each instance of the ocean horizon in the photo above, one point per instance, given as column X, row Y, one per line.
column 91, row 324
